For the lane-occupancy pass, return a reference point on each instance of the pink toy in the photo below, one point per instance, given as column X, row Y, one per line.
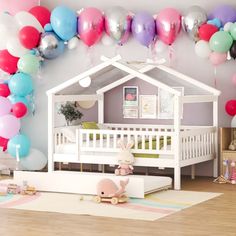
column 233, row 175
column 125, row 159
column 108, row 191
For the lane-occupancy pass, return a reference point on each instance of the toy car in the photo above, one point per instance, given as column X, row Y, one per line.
column 13, row 189
column 29, row 191
column 112, row 200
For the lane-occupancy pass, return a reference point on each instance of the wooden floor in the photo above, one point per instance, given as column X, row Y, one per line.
column 214, row 217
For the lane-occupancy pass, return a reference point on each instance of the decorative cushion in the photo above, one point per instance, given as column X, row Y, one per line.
column 91, row 125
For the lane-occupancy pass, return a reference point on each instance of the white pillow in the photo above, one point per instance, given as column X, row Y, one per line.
column 70, row 133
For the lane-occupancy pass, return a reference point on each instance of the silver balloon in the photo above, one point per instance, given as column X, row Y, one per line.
column 118, row 24
column 50, row 46
column 194, row 18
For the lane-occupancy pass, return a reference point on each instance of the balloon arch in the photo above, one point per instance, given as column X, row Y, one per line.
column 28, row 38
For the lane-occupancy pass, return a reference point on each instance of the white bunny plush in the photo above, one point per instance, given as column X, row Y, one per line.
column 125, row 159
column 232, row 145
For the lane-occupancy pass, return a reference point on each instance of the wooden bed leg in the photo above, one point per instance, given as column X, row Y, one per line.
column 177, row 178
column 103, row 168
column 59, row 165
column 192, row 171
column 81, row 167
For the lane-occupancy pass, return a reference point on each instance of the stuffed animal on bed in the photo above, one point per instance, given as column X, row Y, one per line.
column 125, row 158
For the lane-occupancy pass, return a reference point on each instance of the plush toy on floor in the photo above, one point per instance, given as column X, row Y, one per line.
column 125, row 159
column 108, row 191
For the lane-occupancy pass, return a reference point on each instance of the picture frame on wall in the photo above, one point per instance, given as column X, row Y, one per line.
column 130, row 96
column 130, row 112
column 166, row 103
column 148, row 106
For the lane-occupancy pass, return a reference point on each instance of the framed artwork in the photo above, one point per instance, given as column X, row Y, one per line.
column 166, row 103
column 148, row 106
column 130, row 96
column 131, row 113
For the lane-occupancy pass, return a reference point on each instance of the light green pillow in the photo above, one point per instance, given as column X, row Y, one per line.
column 91, row 125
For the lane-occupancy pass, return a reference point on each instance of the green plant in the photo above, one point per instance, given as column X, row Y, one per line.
column 70, row 112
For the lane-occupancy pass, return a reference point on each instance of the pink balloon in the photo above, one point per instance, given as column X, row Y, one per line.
column 168, row 24
column 218, row 58
column 234, row 79
column 90, row 25
column 5, row 106
column 9, row 126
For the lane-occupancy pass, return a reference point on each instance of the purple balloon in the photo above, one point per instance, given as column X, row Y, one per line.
column 224, row 13
column 143, row 28
column 9, row 126
column 5, row 106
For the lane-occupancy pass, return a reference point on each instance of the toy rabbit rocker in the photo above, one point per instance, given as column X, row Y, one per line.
column 125, row 159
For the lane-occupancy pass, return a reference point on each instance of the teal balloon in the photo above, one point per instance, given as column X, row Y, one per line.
column 221, row 41
column 20, row 142
column 233, row 31
column 15, row 99
column 28, row 64
column 21, row 84
column 64, row 22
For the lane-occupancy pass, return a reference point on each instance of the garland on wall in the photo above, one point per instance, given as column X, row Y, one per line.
column 28, row 38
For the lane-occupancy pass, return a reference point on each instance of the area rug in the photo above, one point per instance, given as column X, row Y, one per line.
column 153, row 207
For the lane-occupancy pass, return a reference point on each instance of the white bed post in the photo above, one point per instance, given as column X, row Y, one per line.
column 177, row 121
column 215, row 123
column 50, row 132
column 101, row 108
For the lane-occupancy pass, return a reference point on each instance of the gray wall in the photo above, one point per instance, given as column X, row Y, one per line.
column 72, row 63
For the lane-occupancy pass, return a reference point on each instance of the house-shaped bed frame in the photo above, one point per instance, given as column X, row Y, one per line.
column 189, row 144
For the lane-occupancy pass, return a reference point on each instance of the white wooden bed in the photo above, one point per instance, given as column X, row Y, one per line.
column 182, row 145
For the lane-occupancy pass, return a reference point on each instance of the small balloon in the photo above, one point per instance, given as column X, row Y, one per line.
column 221, row 42
column 232, row 50
column 21, row 84
column 15, row 99
column 193, row 19
column 15, row 48
column 216, row 22
column 3, row 143
column 29, row 64
column 24, row 18
column 29, row 37
column 118, row 24
column 64, row 22
column 5, row 106
column 42, row 14
column 202, row 49
column 168, row 25
column 230, row 107
column 9, row 126
column 224, row 13
column 227, row 26
column 90, row 25
column 19, row 143
column 218, row 58
column 143, row 28
column 233, row 31
column 8, row 63
column 50, row 46
column 4, row 90
column 19, row 110
column 206, row 31
column 73, row 43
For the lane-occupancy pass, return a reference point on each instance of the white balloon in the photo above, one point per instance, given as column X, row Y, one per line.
column 8, row 28
column 36, row 160
column 227, row 26
column 73, row 43
column 202, row 49
column 233, row 122
column 15, row 48
column 107, row 41
column 24, row 18
column 160, row 47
